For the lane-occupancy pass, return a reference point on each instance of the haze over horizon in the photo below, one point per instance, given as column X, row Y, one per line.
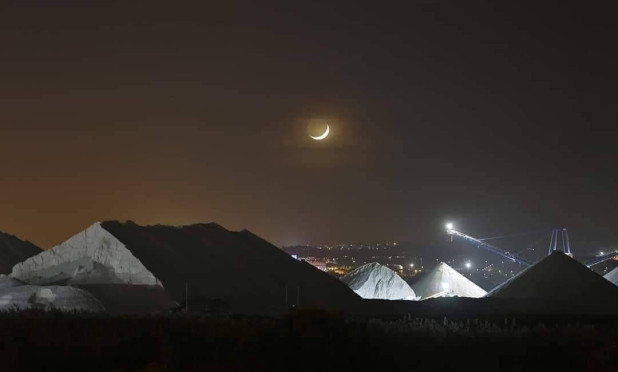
column 481, row 113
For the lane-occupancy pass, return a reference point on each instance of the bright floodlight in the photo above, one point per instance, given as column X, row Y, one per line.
column 468, row 265
column 449, row 226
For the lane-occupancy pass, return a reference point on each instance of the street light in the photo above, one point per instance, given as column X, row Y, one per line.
column 449, row 226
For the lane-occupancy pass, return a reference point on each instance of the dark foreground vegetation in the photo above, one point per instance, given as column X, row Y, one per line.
column 303, row 341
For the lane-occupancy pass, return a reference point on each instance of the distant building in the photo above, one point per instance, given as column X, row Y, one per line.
column 316, row 262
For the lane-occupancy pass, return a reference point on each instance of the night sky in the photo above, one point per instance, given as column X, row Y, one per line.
column 500, row 118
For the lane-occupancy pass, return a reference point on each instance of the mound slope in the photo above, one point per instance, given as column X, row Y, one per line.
column 612, row 276
column 14, row 250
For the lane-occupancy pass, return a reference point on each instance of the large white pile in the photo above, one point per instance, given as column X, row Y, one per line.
column 93, row 256
column 612, row 276
column 444, row 281
column 8, row 282
column 376, row 281
column 64, row 298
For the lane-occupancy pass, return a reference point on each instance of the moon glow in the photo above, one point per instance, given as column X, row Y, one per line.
column 323, row 135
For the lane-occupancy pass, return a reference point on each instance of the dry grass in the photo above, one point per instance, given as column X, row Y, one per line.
column 304, row 341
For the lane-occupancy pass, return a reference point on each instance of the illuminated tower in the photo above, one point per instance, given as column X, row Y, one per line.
column 563, row 236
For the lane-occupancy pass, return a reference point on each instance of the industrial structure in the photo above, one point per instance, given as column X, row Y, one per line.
column 559, row 241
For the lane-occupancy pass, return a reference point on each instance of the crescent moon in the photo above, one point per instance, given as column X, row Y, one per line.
column 323, row 135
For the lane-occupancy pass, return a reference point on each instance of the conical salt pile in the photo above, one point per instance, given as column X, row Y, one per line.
column 375, row 281
column 558, row 277
column 444, row 281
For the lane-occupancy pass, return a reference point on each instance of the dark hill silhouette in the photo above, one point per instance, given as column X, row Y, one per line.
column 238, row 268
column 560, row 278
column 14, row 250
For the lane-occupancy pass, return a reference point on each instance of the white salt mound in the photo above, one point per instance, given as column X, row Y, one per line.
column 444, row 281
column 93, row 256
column 375, row 281
column 63, row 298
column 8, row 282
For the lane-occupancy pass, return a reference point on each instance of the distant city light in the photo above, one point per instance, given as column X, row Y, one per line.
column 468, row 264
column 449, row 226
column 411, row 265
